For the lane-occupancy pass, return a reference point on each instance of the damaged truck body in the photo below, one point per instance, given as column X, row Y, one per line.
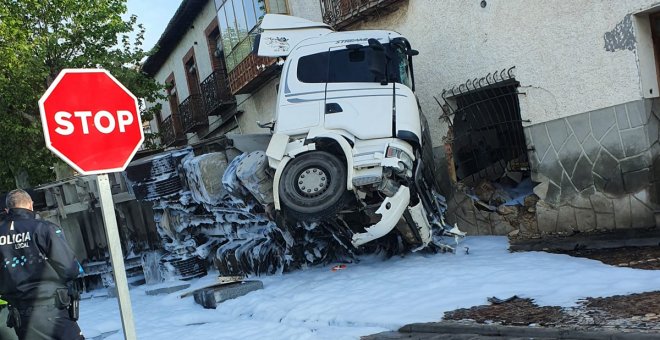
column 348, row 134
column 347, row 167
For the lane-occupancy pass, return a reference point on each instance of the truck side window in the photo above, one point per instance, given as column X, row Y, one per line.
column 352, row 66
column 341, row 66
column 313, row 68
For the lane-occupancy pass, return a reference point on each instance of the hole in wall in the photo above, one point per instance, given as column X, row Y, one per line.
column 488, row 146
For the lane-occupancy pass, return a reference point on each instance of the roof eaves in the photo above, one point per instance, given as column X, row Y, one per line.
column 174, row 32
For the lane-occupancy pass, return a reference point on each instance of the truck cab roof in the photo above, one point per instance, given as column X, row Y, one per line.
column 281, row 34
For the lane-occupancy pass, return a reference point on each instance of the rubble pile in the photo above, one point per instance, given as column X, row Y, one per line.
column 508, row 203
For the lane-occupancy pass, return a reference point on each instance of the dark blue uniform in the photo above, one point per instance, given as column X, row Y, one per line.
column 35, row 261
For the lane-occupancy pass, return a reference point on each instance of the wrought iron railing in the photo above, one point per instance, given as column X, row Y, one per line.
column 486, row 132
column 170, row 130
column 216, row 95
column 342, row 13
column 192, row 113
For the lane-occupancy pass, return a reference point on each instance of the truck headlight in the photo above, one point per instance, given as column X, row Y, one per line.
column 404, row 157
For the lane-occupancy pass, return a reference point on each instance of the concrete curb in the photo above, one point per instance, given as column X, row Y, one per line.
column 517, row 331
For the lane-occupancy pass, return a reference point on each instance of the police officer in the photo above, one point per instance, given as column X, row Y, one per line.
column 36, row 263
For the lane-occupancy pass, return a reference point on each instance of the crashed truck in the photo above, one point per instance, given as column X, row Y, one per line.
column 347, row 167
column 348, row 133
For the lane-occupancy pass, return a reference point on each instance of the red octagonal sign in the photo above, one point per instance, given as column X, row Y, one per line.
column 91, row 121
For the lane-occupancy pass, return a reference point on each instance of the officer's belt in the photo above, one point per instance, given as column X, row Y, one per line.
column 41, row 303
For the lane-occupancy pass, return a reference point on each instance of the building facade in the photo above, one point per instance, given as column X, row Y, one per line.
column 214, row 85
column 560, row 96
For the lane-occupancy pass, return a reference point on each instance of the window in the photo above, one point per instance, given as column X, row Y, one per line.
column 488, row 132
column 172, row 97
column 400, row 66
column 212, row 33
column 362, row 65
column 191, row 72
column 238, row 20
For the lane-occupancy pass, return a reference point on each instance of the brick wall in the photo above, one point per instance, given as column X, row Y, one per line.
column 246, row 72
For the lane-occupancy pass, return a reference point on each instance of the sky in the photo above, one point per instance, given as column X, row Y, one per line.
column 154, row 14
column 371, row 296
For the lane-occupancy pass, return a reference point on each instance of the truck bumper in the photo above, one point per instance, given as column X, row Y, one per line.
column 391, row 211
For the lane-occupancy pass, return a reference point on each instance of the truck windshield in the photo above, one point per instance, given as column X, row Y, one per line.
column 355, row 66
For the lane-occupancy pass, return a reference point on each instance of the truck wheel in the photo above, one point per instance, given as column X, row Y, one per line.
column 313, row 186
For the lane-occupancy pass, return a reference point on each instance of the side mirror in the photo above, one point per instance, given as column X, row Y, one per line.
column 412, row 52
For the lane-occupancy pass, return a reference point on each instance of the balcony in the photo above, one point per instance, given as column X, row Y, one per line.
column 343, row 13
column 216, row 96
column 251, row 73
column 171, row 131
column 192, row 113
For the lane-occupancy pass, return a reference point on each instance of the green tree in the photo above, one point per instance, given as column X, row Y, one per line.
column 39, row 38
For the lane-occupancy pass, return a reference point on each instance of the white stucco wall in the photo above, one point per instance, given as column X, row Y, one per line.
column 310, row 10
column 557, row 48
column 193, row 38
column 257, row 106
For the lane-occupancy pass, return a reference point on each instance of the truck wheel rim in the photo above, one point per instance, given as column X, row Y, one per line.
column 312, row 182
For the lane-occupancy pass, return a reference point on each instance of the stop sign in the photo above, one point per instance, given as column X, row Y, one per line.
column 91, row 121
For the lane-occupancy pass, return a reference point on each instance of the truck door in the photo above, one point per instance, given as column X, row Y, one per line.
column 302, row 92
column 355, row 99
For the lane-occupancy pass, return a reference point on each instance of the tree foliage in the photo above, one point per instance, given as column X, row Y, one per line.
column 39, row 38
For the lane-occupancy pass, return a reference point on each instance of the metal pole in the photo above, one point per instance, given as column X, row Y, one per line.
column 116, row 256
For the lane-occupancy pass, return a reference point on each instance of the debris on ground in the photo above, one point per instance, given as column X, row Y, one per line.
column 209, row 297
column 496, row 301
column 338, row 267
column 515, row 311
column 508, row 202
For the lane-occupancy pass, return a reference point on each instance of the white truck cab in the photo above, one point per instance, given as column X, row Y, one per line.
column 348, row 136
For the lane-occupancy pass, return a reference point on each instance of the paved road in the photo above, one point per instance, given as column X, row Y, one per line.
column 462, row 331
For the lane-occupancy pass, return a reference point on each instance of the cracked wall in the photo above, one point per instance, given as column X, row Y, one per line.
column 596, row 171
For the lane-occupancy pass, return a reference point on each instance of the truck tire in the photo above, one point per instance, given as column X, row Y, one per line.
column 313, row 186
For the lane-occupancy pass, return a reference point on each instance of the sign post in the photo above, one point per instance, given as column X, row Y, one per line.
column 112, row 234
column 92, row 122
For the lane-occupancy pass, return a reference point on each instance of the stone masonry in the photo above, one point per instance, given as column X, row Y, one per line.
column 598, row 170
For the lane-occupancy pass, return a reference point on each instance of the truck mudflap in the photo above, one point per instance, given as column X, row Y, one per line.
column 391, row 211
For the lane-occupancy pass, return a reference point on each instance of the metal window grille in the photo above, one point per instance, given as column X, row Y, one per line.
column 486, row 134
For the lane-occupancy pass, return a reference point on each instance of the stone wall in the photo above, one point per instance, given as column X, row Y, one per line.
column 598, row 170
